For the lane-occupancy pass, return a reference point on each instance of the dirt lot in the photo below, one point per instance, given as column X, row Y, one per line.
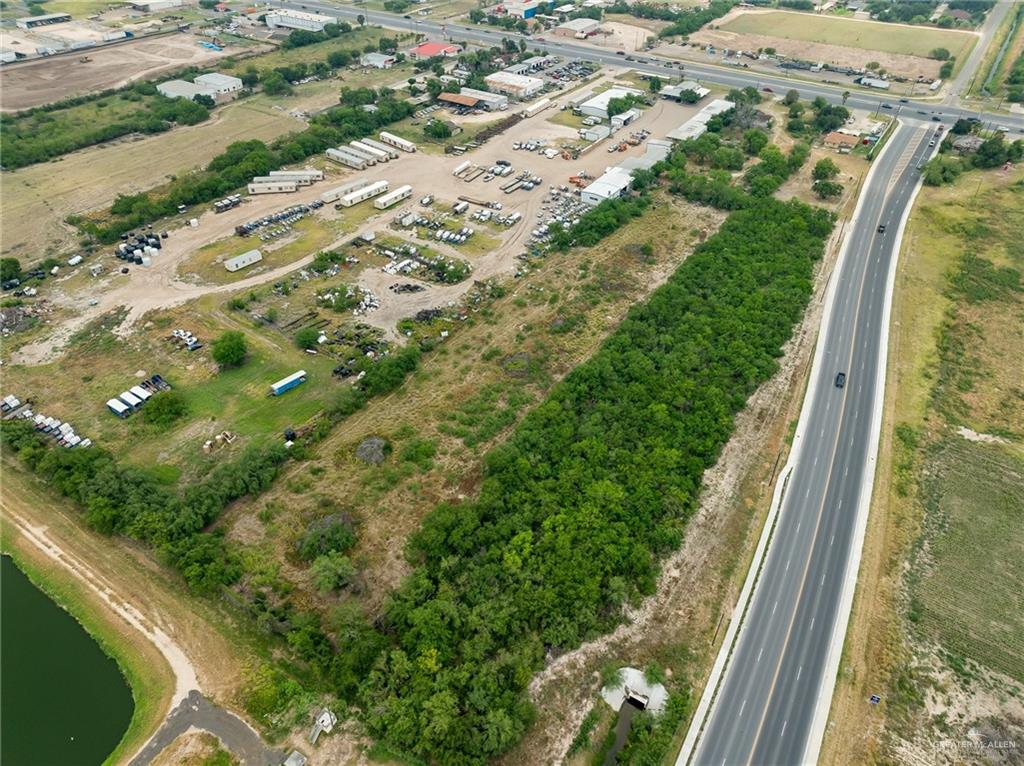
column 844, row 42
column 45, row 80
column 162, row 285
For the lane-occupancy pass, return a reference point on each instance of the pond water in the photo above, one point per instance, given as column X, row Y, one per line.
column 65, row 702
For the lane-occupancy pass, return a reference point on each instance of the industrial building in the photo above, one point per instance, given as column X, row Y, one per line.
column 655, row 151
column 288, row 19
column 675, row 92
column 624, row 118
column 243, row 260
column 184, row 89
column 614, row 183
column 458, row 99
column 578, row 28
column 521, row 9
column 391, row 198
column 392, row 140
column 221, row 84
column 697, row 125
column 429, row 50
column 492, row 102
column 366, row 192
column 31, row 22
column 518, row 85
column 154, row 6
column 377, row 60
column 595, row 132
column 598, row 105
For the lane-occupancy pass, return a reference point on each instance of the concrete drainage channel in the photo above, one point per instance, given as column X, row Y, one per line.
column 631, row 694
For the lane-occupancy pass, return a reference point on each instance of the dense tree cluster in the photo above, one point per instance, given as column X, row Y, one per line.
column 299, row 38
column 1015, row 77
column 241, row 161
column 682, row 22
column 126, row 500
column 592, row 488
column 946, row 168
column 40, row 134
column 598, row 223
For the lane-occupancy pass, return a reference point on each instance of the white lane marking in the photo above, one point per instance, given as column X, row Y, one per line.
column 823, row 579
column 787, row 564
column 798, row 672
column 798, row 525
column 783, row 732
column 743, row 706
column 774, row 607
column 832, row 540
column 812, row 624
column 760, row 653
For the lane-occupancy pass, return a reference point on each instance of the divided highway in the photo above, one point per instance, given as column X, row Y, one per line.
column 778, row 677
column 730, row 77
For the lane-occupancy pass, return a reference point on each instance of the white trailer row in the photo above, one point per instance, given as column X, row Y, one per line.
column 304, row 177
column 343, row 156
column 382, row 147
column 397, row 141
column 367, row 192
column 392, row 198
column 272, row 186
column 363, row 148
column 64, row 433
column 333, row 195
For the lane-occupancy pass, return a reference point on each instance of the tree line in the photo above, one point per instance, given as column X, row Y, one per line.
column 591, row 490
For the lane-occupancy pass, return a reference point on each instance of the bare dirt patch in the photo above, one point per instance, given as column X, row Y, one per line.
column 45, row 80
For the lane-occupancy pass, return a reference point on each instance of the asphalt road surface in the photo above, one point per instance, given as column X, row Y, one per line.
column 732, row 77
column 769, row 693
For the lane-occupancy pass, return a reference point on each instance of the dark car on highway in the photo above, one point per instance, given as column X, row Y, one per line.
column 840, row 379
column 881, row 228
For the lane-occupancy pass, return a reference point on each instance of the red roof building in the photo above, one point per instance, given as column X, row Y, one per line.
column 428, row 50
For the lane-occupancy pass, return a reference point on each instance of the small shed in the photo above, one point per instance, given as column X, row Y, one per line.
column 295, row 758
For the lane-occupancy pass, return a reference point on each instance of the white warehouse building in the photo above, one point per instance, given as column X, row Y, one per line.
column 491, row 102
column 288, row 19
column 517, row 85
column 184, row 89
column 243, row 260
column 221, row 84
column 614, row 183
column 598, row 105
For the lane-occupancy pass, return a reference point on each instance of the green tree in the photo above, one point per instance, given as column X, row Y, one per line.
column 165, row 408
column 654, row 84
column 437, row 129
column 939, row 54
column 10, row 268
column 824, row 170
column 754, row 141
column 792, row 96
column 274, row 84
column 331, row 571
column 307, row 337
column 360, row 19
column 230, row 349
column 827, row 189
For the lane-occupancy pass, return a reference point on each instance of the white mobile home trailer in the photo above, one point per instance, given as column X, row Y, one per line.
column 367, row 192
column 383, row 147
column 371, row 157
column 377, row 154
column 271, row 186
column 333, row 195
column 397, row 141
column 344, row 158
column 247, row 258
column 348, row 151
column 301, row 177
column 391, row 198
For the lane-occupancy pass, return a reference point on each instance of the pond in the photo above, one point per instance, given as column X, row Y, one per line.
column 65, row 702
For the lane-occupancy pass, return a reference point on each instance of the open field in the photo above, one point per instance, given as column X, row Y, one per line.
column 45, row 80
column 898, row 49
column 933, row 628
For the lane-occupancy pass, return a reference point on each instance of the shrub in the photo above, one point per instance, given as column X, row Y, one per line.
column 230, row 349
column 165, row 408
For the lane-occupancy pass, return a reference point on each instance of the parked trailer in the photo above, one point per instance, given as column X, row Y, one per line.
column 461, row 167
column 509, row 188
column 119, row 408
column 366, row 154
column 460, row 207
column 345, row 157
column 272, row 187
column 391, row 198
column 397, row 141
column 304, row 177
column 379, row 154
column 338, row 192
column 130, row 399
column 540, row 106
column 140, row 392
column 474, row 174
column 367, row 192
column 286, row 384
column 383, row 147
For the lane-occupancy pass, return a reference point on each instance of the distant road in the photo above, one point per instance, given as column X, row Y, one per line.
column 731, row 77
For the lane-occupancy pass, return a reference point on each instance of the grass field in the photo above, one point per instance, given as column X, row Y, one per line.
column 867, row 35
column 938, row 593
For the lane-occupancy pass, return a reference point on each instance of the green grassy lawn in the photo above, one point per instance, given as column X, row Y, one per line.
column 868, row 35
